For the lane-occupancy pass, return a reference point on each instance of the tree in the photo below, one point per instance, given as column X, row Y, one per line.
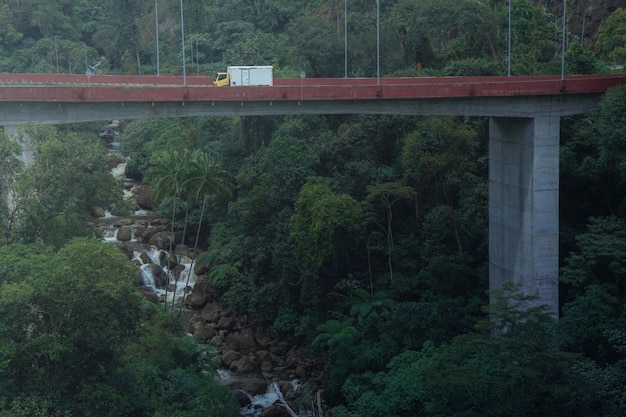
column 533, row 38
column 168, row 175
column 387, row 195
column 67, row 325
column 76, row 339
column 508, row 366
column 54, row 196
column 318, row 46
column 441, row 163
column 10, row 168
column 611, row 43
column 325, row 225
column 205, row 178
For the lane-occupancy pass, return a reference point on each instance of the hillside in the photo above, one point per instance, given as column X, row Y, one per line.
column 585, row 17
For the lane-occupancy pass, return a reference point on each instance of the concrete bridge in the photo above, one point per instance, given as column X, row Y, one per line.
column 524, row 119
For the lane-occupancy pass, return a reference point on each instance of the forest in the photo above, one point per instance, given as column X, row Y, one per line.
column 364, row 238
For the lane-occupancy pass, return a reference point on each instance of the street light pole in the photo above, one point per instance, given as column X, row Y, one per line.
column 378, row 42
column 182, row 32
column 509, row 65
column 156, row 29
column 563, row 41
column 345, row 39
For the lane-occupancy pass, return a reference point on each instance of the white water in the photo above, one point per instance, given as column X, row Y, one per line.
column 258, row 402
column 185, row 280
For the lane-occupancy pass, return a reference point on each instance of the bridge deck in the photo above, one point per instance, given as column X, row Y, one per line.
column 68, row 88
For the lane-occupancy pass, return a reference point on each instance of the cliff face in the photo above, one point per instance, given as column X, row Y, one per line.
column 584, row 17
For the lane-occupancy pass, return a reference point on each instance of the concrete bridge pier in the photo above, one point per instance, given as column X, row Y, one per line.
column 28, row 150
column 524, row 205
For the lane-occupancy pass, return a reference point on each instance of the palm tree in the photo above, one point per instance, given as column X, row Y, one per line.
column 206, row 177
column 167, row 170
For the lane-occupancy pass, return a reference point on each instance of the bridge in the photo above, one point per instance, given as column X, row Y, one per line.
column 524, row 120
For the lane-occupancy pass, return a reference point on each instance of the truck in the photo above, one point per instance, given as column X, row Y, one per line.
column 245, row 76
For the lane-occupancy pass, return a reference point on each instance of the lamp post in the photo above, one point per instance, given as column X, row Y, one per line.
column 378, row 42
column 345, row 39
column 509, row 64
column 182, row 34
column 563, row 41
column 156, row 30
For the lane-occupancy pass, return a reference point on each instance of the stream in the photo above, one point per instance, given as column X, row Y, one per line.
column 170, row 279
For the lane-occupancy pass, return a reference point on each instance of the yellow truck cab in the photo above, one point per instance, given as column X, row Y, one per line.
column 221, row 79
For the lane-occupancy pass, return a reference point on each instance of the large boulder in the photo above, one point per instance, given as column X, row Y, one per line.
column 124, row 234
column 143, row 197
column 212, row 312
column 148, row 294
column 125, row 249
column 230, row 356
column 161, row 240
column 253, row 385
column 160, row 276
column 241, row 341
column 198, row 297
column 244, row 365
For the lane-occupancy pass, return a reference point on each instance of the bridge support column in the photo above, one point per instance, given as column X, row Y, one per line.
column 524, row 205
column 14, row 132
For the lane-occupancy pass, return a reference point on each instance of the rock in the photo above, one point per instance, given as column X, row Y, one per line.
column 226, row 323
column 266, row 366
column 275, row 410
column 96, row 211
column 123, row 222
column 263, row 336
column 139, row 229
column 125, row 249
column 243, row 365
column 160, row 277
column 243, row 398
column 182, row 250
column 205, row 332
column 177, row 271
column 241, row 341
column 217, row 341
column 287, row 389
column 200, row 269
column 247, row 341
column 198, row 297
column 124, row 234
column 148, row 294
column 212, row 313
column 161, row 240
column 229, row 357
column 253, row 385
column 264, row 356
column 279, row 348
column 148, row 232
column 300, row 371
column 143, row 197
column 163, row 221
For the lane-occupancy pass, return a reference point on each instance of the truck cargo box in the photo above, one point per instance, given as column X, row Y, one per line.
column 251, row 75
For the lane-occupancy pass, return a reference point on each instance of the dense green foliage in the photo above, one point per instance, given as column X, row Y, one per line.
column 365, row 237
column 77, row 340
column 118, row 36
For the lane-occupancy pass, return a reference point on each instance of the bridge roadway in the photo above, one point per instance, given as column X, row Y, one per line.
column 61, row 98
column 524, row 121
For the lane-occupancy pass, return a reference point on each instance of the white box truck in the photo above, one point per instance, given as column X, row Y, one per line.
column 245, row 76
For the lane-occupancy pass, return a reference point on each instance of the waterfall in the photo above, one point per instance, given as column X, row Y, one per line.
column 151, row 260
